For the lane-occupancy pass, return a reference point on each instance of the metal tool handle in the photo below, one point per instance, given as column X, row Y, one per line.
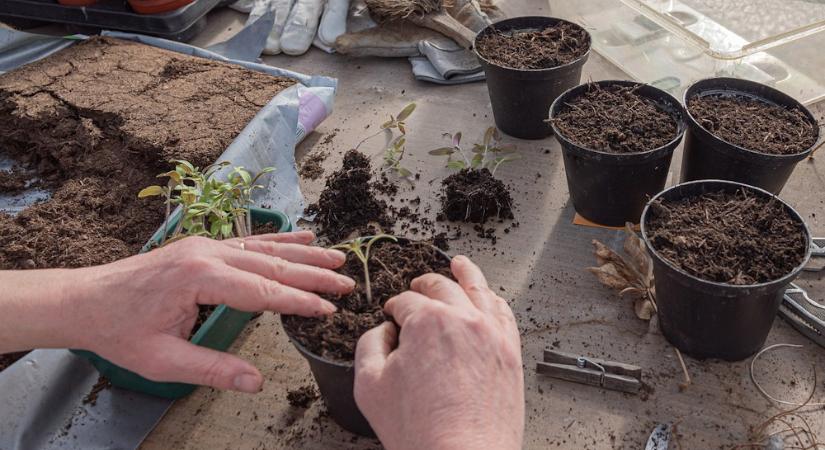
column 817, row 251
column 792, row 293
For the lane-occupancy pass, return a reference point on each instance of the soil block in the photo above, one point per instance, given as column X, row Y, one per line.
column 392, row 267
column 348, row 204
column 615, row 119
column 728, row 237
column 96, row 123
column 475, row 196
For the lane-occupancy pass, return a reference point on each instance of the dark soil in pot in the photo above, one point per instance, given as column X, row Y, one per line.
column 528, row 62
column 734, row 238
column 615, row 119
column 541, row 48
column 329, row 344
column 349, row 204
column 95, row 123
column 617, row 139
column 747, row 132
column 475, row 196
column 392, row 267
column 754, row 124
column 723, row 254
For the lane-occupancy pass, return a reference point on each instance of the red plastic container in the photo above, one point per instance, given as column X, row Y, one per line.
column 157, row 6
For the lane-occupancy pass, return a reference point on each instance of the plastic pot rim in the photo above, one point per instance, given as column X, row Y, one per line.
column 696, row 89
column 785, row 279
column 305, row 352
column 551, row 20
column 618, row 158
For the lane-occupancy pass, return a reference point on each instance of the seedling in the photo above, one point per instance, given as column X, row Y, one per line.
column 360, row 247
column 219, row 210
column 489, row 154
column 396, row 148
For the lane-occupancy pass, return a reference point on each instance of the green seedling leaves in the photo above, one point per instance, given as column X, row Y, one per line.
column 442, row 151
column 489, row 154
column 406, row 112
column 151, row 191
column 456, row 165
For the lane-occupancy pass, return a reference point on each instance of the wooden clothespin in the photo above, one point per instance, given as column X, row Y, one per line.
column 593, row 371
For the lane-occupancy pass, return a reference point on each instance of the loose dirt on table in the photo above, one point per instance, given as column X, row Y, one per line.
column 348, row 204
column 312, row 168
column 302, row 397
column 392, row 267
column 735, row 238
column 615, row 119
column 754, row 124
column 474, row 196
column 545, row 48
column 96, row 122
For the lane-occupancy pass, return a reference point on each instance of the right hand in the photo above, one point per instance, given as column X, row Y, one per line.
column 455, row 380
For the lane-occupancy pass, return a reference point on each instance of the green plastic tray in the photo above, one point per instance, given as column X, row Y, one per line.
column 218, row 332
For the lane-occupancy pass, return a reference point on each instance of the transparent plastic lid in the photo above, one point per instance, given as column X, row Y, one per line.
column 730, row 29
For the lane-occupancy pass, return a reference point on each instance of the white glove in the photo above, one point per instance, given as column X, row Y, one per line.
column 296, row 23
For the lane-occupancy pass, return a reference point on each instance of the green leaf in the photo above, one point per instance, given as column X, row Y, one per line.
column 443, row 151
column 508, row 158
column 456, row 165
column 403, row 173
column 150, row 191
column 488, row 136
column 477, row 159
column 478, row 148
column 388, row 124
column 401, row 128
column 406, row 112
column 504, row 149
column 226, row 230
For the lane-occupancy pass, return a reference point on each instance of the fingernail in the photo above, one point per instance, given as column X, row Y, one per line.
column 460, row 258
column 346, row 282
column 248, row 383
column 337, row 256
column 328, row 308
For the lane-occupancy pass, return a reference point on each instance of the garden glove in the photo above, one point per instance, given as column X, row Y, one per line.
column 433, row 56
column 297, row 22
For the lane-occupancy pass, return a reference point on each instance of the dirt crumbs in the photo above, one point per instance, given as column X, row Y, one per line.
column 544, row 48
column 392, row 266
column 754, row 124
column 96, row 122
column 348, row 204
column 10, row 358
column 615, row 119
column 302, row 397
column 101, row 385
column 735, row 238
column 313, row 168
column 474, row 196
column 15, row 180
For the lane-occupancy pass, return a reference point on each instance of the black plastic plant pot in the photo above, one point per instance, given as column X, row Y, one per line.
column 336, row 381
column 706, row 319
column 707, row 156
column 612, row 188
column 521, row 97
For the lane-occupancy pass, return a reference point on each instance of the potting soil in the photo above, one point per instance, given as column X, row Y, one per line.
column 754, row 124
column 615, row 119
column 475, row 196
column 546, row 48
column 392, row 267
column 735, row 238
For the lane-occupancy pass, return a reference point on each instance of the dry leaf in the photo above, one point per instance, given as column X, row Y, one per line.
column 632, row 276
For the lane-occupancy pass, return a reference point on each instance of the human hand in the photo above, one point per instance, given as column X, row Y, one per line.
column 139, row 312
column 455, row 380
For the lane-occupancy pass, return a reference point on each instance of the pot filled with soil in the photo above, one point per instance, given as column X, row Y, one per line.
column 617, row 139
column 723, row 254
column 328, row 344
column 528, row 62
column 744, row 131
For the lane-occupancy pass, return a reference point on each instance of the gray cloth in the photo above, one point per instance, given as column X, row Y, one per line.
column 442, row 61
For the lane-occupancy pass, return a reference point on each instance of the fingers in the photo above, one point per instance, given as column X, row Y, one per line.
column 473, row 283
column 374, row 347
column 404, row 305
column 177, row 360
column 251, row 292
column 298, row 253
column 295, row 237
column 300, row 276
column 441, row 288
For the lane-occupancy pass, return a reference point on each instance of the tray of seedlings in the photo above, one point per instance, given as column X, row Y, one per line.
column 91, row 127
column 528, row 62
